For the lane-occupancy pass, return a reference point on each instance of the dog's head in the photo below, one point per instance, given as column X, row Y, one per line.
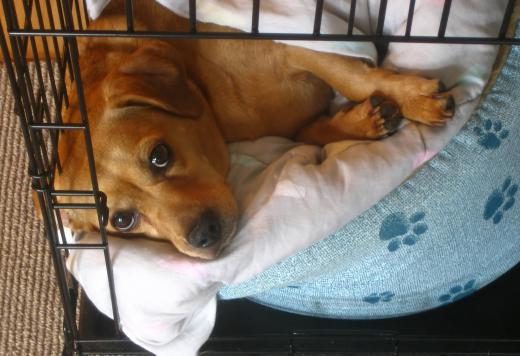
column 160, row 157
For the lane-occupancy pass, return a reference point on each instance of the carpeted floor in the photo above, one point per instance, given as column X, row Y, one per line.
column 30, row 307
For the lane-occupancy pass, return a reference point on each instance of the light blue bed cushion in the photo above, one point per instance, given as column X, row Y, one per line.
column 446, row 232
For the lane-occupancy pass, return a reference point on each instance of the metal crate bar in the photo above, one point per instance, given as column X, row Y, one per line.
column 81, row 246
column 18, row 102
column 317, row 17
column 43, row 110
column 74, row 206
column 64, row 26
column 26, row 23
column 273, row 36
column 54, row 89
column 444, row 18
column 78, row 14
column 23, row 104
column 85, row 11
column 351, row 17
column 255, row 16
column 57, row 216
column 100, row 209
column 315, row 35
column 53, row 126
column 193, row 16
column 60, row 63
column 48, row 62
column 129, row 10
column 381, row 17
column 70, row 329
column 71, row 193
column 409, row 20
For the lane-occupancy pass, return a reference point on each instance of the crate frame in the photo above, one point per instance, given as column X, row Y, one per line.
column 33, row 109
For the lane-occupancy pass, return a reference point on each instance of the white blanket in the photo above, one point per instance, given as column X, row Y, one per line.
column 290, row 195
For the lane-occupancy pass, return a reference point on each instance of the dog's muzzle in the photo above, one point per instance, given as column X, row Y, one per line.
column 206, row 231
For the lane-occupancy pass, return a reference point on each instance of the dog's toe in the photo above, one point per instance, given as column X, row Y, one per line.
column 392, row 116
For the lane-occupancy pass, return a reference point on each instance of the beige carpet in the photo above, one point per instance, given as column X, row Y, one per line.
column 30, row 307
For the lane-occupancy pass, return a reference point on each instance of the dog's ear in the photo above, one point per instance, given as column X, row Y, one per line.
column 151, row 77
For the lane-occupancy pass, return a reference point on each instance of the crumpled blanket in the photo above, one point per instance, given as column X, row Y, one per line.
column 290, row 195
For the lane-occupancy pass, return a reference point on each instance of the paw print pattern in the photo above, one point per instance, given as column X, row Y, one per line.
column 500, row 201
column 401, row 230
column 458, row 292
column 375, row 298
column 491, row 134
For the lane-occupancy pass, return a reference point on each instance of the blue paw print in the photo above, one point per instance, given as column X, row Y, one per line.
column 401, row 230
column 458, row 292
column 500, row 201
column 491, row 135
column 375, row 298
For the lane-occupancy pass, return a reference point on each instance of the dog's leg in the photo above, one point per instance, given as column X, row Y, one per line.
column 419, row 99
column 374, row 118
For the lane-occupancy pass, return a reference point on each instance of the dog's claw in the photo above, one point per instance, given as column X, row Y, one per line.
column 441, row 87
column 450, row 103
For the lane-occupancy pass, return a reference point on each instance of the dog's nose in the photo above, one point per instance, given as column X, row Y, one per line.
column 206, row 230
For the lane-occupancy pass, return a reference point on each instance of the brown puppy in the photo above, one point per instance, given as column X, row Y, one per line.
column 161, row 113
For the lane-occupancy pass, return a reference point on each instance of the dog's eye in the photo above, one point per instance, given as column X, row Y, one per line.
column 160, row 157
column 124, row 220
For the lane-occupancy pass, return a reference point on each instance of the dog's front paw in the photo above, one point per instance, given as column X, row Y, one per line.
column 374, row 118
column 435, row 110
column 428, row 103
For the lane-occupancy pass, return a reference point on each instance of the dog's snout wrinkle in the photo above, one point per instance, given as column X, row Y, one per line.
column 206, row 230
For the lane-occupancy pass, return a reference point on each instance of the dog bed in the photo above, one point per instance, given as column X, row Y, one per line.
column 447, row 231
column 292, row 196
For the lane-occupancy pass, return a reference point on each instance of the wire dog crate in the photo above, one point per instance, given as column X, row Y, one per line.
column 43, row 34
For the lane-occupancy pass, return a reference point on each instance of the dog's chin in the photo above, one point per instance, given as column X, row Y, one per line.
column 207, row 254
